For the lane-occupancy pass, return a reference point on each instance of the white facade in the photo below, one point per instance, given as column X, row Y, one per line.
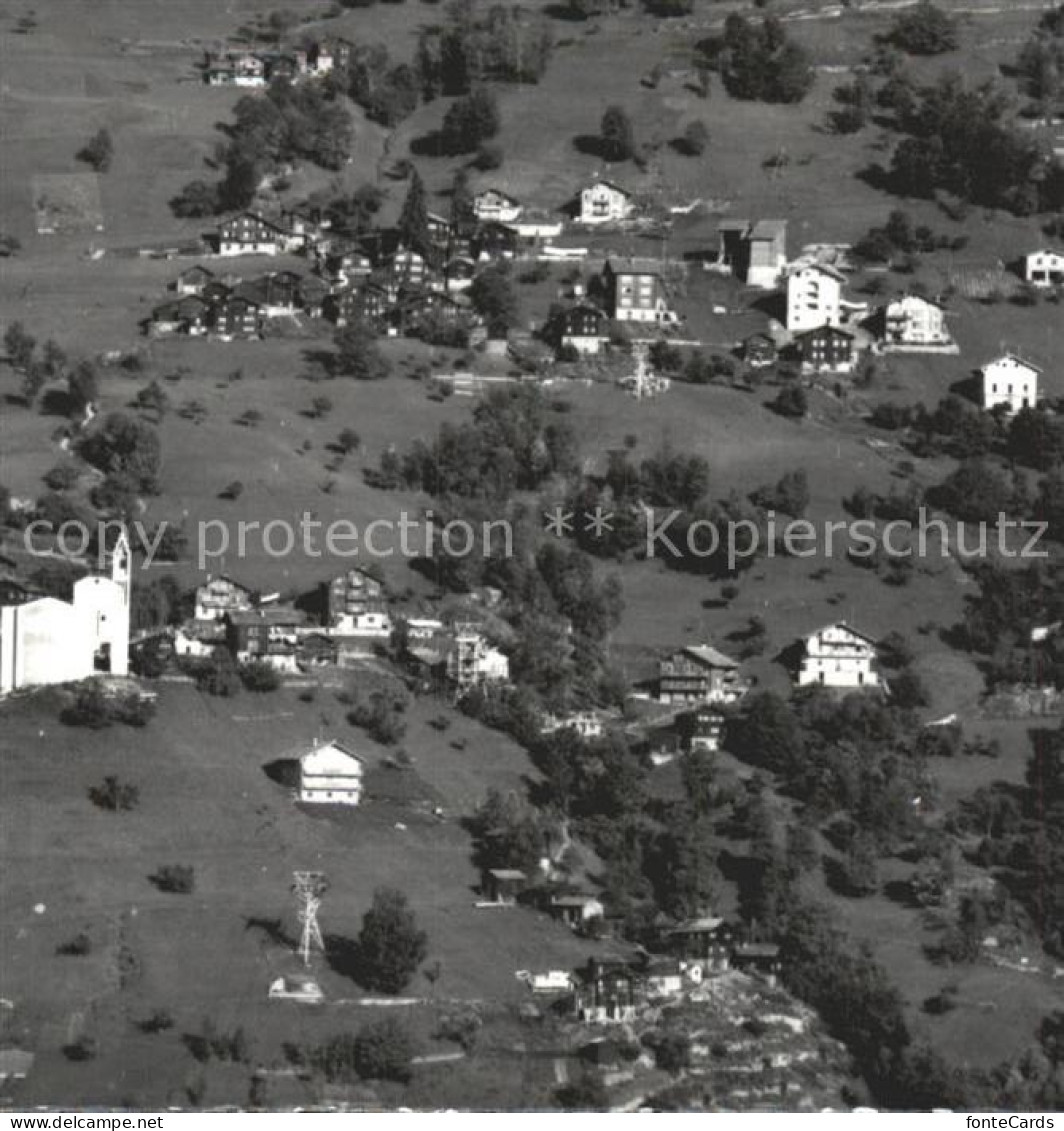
column 368, row 622
column 587, row 724
column 330, row 774
column 814, row 297
column 1010, row 381
column 604, row 203
column 838, row 656
column 471, row 661
column 916, row 321
column 50, row 641
column 494, row 204
column 1044, row 268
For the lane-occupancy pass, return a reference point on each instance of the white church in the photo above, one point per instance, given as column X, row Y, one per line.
column 51, row 641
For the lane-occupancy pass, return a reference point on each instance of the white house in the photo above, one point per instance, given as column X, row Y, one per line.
column 221, row 595
column 914, row 321
column 494, row 204
column 838, row 656
column 51, row 641
column 1010, row 381
column 603, row 202
column 814, row 297
column 330, row 774
column 1044, row 268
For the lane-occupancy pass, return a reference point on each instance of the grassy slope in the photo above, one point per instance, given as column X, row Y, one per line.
column 206, row 801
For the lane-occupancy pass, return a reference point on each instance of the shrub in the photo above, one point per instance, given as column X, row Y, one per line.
column 98, row 151
column 77, row 947
column 61, row 477
column 114, row 795
column 259, row 676
column 232, row 491
column 177, row 879
column 790, row 401
column 84, row 1048
column 156, row 1022
column 924, row 30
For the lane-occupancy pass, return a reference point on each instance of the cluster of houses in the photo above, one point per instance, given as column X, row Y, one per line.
column 376, row 279
column 258, row 68
column 352, row 615
column 607, row 991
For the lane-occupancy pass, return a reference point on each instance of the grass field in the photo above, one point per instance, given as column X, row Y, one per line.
column 206, row 800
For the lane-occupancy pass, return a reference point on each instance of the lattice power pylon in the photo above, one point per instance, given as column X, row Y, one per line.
column 309, row 887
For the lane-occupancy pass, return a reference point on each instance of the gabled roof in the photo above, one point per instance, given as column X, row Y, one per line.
column 609, row 184
column 1044, row 251
column 827, row 328
column 1014, row 357
column 635, row 265
column 507, row 873
column 229, row 580
column 331, row 758
column 768, row 229
column 707, row 654
column 196, row 269
column 849, row 628
column 918, row 298
column 823, row 268
column 498, row 192
column 696, row 926
column 257, row 217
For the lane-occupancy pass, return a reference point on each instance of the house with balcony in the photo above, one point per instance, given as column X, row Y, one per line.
column 838, row 656
column 699, row 673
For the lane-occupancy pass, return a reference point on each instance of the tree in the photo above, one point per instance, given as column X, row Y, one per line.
column 470, row 121
column 98, row 151
column 126, row 445
column 494, row 298
column 489, row 156
column 348, row 441
column 19, row 345
column 358, row 355
column 617, row 134
column 769, row 733
column 390, row 945
column 858, row 868
column 196, row 200
column 924, row 29
column 383, row 1050
column 759, row 62
column 414, row 220
column 463, row 219
column 83, row 388
column 695, row 138
column 791, row 401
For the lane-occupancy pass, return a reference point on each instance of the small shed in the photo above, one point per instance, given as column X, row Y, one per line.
column 503, row 885
column 576, row 910
column 759, row 958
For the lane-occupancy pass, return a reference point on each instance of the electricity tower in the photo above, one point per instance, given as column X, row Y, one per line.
column 309, row 887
